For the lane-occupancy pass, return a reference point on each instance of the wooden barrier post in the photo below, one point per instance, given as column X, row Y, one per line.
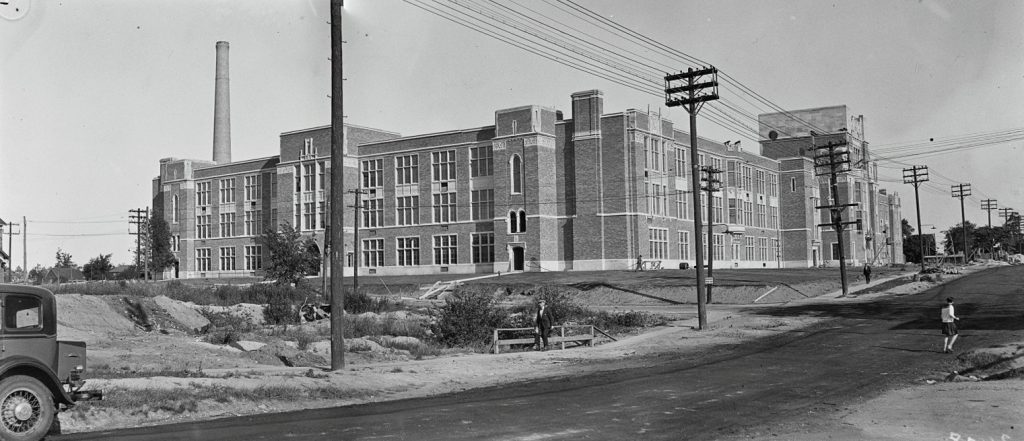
column 496, row 345
column 561, row 342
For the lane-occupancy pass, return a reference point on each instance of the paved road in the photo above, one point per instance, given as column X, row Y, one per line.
column 795, row 382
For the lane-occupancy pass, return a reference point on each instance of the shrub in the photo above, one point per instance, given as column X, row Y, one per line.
column 281, row 309
column 222, row 336
column 466, row 319
column 360, row 302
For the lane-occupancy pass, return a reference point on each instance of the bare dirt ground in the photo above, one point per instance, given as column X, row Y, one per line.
column 374, row 374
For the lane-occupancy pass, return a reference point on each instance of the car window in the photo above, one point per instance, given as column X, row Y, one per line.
column 21, row 312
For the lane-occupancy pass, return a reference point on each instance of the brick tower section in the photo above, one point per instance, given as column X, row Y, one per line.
column 589, row 224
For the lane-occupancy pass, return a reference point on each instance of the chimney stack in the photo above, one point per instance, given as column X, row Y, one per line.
column 222, row 108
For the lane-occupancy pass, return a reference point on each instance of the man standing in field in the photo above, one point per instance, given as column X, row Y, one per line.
column 949, row 330
column 542, row 324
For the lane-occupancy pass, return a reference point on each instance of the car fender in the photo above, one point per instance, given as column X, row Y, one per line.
column 20, row 365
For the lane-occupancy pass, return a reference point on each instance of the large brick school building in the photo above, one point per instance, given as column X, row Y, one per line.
column 534, row 192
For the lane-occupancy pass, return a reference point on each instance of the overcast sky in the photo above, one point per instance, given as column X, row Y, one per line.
column 93, row 94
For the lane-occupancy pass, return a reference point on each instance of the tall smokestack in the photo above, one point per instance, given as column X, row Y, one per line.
column 222, row 108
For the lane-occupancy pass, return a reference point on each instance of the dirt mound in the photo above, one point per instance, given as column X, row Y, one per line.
column 183, row 314
column 281, row 354
column 90, row 315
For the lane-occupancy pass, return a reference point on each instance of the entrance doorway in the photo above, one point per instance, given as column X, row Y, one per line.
column 518, row 258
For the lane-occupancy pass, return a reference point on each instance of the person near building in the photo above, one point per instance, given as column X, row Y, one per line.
column 542, row 321
column 867, row 273
column 949, row 330
column 639, row 263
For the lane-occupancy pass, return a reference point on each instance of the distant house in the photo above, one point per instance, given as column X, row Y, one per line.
column 63, row 275
column 119, row 271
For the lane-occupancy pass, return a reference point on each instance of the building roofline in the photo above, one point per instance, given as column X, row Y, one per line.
column 809, row 109
column 327, row 126
column 426, row 135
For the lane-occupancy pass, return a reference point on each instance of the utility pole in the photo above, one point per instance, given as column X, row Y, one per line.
column 834, row 158
column 136, row 218
column 355, row 239
column 710, row 183
column 1007, row 214
column 10, row 250
column 917, row 175
column 692, row 96
column 988, row 205
column 24, row 246
column 337, row 191
column 961, row 191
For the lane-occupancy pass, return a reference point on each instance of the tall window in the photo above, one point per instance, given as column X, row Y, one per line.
column 760, row 181
column 481, row 161
column 309, row 215
column 443, row 166
column 227, row 258
column 322, row 207
column 684, row 245
column 482, row 204
column 444, row 207
column 446, row 249
column 658, row 243
column 657, row 200
column 253, row 221
column 516, row 174
column 749, row 248
column 773, row 217
column 730, row 174
column 748, row 213
column 373, row 213
column 734, row 211
column 273, row 186
column 773, row 184
column 309, row 177
column 202, row 193
column 252, row 188
column 174, row 209
column 761, row 216
column 176, row 243
column 373, row 252
column 253, row 257
column 775, row 250
column 203, row 259
column 762, row 248
column 321, row 172
column 718, row 209
column 227, row 190
column 408, row 250
column 373, row 173
column 407, row 170
column 483, row 247
column 682, row 204
column 407, row 210
column 203, row 226
column 719, row 246
column 747, row 184
column 227, row 224
column 681, row 162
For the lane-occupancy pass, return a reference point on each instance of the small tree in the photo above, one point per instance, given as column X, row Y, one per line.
column 64, row 260
column 159, row 243
column 36, row 274
column 289, row 257
column 98, row 268
column 467, row 319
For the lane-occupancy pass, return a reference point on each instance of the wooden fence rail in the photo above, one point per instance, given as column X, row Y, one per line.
column 584, row 338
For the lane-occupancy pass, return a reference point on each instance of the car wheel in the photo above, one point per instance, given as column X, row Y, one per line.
column 26, row 409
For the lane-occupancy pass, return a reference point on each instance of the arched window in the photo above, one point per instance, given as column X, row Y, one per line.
column 516, row 170
column 513, row 222
column 522, row 221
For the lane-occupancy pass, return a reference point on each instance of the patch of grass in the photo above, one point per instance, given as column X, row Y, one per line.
column 105, row 371
column 188, row 400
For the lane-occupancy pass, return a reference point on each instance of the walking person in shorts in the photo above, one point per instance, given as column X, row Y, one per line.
column 949, row 330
